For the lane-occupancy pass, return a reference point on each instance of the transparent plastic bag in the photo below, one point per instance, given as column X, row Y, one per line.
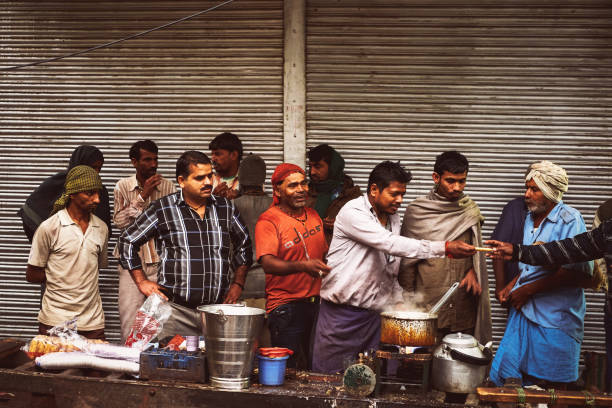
column 113, row 351
column 63, row 337
column 77, row 359
column 149, row 320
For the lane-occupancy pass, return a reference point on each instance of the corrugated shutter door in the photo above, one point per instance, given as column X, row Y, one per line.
column 180, row 87
column 506, row 83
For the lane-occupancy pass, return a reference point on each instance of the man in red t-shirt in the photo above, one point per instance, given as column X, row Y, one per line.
column 290, row 246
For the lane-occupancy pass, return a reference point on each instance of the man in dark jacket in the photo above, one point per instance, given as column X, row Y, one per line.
column 39, row 204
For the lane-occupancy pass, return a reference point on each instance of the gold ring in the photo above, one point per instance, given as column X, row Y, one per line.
column 320, row 273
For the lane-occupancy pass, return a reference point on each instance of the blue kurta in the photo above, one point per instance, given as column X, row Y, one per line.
column 562, row 308
column 542, row 340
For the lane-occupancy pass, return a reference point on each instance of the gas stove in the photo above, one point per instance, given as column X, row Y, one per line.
column 402, row 367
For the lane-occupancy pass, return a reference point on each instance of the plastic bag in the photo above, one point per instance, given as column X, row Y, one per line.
column 149, row 320
column 113, row 351
column 62, row 361
column 63, row 337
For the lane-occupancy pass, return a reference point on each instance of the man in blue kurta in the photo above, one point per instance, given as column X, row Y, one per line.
column 545, row 326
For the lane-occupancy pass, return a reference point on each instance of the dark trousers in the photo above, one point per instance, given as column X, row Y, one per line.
column 291, row 326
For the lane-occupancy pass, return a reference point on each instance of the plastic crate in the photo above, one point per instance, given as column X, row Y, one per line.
column 173, row 365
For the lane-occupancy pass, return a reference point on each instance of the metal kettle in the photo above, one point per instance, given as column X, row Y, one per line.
column 460, row 363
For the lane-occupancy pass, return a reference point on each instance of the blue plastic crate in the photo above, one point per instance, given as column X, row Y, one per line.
column 173, row 365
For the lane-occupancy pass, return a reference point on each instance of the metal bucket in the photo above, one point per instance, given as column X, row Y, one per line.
column 231, row 339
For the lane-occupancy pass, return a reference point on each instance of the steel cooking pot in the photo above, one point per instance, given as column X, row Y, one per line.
column 460, row 363
column 414, row 329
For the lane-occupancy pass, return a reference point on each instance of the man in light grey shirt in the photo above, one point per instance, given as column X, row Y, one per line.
column 365, row 256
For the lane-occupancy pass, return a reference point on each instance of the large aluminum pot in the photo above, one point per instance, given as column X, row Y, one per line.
column 414, row 329
column 231, row 339
column 460, row 364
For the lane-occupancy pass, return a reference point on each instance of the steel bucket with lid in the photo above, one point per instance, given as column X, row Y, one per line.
column 231, row 339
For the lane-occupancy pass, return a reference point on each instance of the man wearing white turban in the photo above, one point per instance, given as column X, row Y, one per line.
column 551, row 179
column 545, row 325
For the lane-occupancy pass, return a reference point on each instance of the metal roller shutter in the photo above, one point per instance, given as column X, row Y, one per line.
column 180, row 86
column 506, row 83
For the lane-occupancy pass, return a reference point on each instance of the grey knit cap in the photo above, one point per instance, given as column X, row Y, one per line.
column 252, row 171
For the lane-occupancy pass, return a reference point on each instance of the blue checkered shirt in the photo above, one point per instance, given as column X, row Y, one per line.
column 195, row 253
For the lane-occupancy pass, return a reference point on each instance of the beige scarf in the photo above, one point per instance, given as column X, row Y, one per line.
column 434, row 218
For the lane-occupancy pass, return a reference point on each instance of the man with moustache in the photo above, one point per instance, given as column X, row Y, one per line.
column 68, row 249
column 290, row 246
column 226, row 153
column 196, row 230
column 446, row 213
column 541, row 344
column 132, row 195
column 364, row 261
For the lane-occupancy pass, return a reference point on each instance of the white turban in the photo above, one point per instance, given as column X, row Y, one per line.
column 550, row 178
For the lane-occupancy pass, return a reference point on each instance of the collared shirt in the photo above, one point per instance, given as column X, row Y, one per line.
column 71, row 260
column 129, row 205
column 195, row 252
column 364, row 257
column 564, row 307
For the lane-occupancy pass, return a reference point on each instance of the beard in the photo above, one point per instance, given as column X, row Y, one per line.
column 535, row 207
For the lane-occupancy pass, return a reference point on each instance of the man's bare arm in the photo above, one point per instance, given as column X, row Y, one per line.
column 35, row 274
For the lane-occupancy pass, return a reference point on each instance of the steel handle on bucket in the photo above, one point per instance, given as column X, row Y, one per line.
column 221, row 316
column 444, row 298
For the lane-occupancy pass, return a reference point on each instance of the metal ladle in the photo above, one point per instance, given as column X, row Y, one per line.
column 444, row 298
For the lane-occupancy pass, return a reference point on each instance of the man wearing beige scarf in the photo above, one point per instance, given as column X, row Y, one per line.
column 447, row 214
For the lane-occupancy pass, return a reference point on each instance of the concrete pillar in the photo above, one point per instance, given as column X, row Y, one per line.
column 294, row 81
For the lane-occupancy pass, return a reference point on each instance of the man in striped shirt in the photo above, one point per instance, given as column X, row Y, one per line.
column 194, row 230
column 587, row 246
column 132, row 195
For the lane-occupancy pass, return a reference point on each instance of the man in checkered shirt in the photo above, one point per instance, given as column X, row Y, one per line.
column 194, row 231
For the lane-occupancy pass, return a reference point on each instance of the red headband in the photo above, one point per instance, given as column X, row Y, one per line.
column 282, row 171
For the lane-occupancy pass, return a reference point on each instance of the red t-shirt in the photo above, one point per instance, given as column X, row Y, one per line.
column 276, row 233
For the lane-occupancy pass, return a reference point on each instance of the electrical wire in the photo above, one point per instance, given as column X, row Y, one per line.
column 108, row 44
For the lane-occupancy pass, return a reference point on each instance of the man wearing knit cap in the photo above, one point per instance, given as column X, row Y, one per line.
column 67, row 251
column 545, row 326
column 252, row 202
column 290, row 246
